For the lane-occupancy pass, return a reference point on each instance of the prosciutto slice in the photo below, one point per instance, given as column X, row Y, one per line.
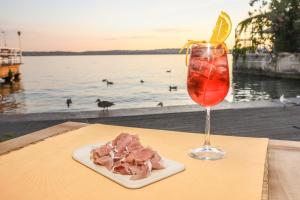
column 106, row 161
column 155, row 161
column 127, row 156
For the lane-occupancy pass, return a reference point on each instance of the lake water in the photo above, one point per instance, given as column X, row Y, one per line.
column 48, row 81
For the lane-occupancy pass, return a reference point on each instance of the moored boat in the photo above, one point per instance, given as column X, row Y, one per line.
column 10, row 61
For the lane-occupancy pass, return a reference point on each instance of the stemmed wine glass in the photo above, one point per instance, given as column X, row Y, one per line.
column 208, row 84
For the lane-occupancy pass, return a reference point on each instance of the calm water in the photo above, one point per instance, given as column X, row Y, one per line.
column 48, row 81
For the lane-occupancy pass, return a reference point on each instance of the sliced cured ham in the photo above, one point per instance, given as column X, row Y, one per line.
column 105, row 161
column 127, row 156
column 140, row 171
column 156, row 161
column 142, row 155
column 102, row 151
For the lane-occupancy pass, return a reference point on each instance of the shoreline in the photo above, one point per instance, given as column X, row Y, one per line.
column 250, row 119
column 44, row 116
column 104, row 52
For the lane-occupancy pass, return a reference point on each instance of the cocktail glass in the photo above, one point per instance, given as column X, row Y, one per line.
column 208, row 83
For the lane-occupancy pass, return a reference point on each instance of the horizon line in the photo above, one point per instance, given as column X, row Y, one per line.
column 82, row 51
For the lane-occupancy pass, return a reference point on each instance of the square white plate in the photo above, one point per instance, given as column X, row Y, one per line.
column 82, row 155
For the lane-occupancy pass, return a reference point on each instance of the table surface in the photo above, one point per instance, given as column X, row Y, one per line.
column 282, row 175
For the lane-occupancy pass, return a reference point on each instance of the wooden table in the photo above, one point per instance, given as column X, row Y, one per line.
column 282, row 175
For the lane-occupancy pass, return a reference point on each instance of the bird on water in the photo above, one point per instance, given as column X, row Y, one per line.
column 142, row 81
column 161, row 104
column 169, row 71
column 109, row 83
column 285, row 101
column 172, row 88
column 69, row 102
column 104, row 104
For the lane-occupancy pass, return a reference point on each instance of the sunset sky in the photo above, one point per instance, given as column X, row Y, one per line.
column 79, row 25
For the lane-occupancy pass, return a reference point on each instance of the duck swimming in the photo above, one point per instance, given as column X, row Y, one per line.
column 69, row 102
column 109, row 83
column 161, row 104
column 172, row 88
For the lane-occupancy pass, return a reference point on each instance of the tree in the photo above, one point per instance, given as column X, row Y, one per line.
column 273, row 24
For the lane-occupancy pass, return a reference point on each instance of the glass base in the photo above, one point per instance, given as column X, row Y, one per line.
column 207, row 153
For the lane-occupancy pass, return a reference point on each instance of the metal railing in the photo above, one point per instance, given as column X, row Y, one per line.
column 10, row 56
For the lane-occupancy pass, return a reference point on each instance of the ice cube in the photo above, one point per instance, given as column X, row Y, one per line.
column 218, row 51
column 200, row 51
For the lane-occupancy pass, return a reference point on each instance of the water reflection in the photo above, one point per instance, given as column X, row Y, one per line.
column 252, row 87
column 12, row 97
column 47, row 82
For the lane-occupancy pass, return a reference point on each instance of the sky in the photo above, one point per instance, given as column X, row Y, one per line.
column 80, row 25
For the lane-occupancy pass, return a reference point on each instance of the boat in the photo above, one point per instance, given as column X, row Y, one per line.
column 10, row 61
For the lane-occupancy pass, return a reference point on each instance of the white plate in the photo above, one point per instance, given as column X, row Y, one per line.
column 82, row 155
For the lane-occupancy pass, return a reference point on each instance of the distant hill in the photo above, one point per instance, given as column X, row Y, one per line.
column 112, row 52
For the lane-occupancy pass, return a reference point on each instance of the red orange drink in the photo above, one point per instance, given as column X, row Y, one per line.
column 208, row 74
column 208, row 79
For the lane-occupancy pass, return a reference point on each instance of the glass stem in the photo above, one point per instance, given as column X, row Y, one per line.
column 207, row 128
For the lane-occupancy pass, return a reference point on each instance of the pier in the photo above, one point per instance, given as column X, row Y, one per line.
column 253, row 119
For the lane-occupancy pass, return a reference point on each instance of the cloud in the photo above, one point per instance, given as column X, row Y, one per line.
column 171, row 30
column 134, row 37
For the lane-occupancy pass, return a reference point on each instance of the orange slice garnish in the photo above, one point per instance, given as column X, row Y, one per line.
column 222, row 28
